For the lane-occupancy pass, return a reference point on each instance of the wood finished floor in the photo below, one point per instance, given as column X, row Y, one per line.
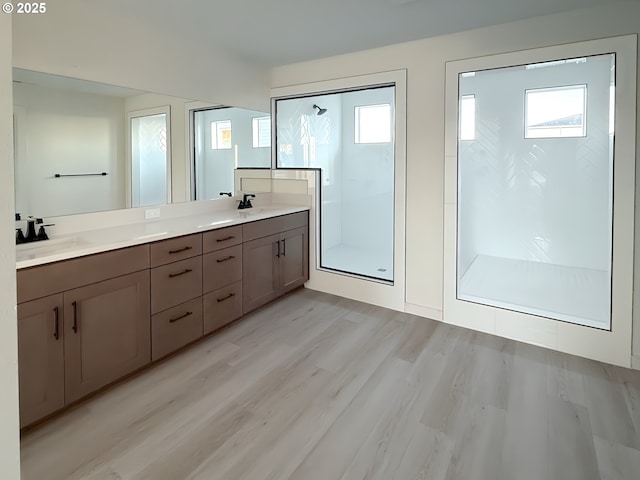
column 319, row 387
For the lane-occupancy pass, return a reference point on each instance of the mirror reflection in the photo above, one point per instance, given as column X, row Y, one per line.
column 84, row 147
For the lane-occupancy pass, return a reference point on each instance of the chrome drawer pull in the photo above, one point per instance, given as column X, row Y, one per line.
column 225, row 239
column 220, row 260
column 172, row 275
column 173, row 320
column 180, row 250
column 226, row 298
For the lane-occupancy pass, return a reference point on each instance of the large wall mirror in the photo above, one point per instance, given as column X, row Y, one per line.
column 84, row 147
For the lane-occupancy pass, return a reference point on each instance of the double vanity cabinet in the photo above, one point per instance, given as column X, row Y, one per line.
column 86, row 322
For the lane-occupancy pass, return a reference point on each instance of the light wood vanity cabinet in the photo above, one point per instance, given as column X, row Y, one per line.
column 86, row 322
column 106, row 329
column 82, row 324
column 176, row 294
column 40, row 357
column 275, row 259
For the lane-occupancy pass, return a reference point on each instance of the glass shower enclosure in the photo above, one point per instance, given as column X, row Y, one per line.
column 349, row 136
column 535, row 188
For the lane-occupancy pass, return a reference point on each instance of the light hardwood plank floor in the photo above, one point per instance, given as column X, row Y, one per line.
column 319, row 387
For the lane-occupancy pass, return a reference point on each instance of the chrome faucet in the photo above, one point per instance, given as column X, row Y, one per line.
column 245, row 202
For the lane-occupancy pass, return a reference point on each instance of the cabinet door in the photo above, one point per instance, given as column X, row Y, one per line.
column 260, row 272
column 294, row 263
column 40, row 358
column 107, row 332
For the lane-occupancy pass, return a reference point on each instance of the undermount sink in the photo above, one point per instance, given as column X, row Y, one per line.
column 53, row 245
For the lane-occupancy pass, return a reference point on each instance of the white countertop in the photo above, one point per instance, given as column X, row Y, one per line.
column 105, row 239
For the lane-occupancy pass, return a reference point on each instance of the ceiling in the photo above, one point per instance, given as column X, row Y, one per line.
column 278, row 32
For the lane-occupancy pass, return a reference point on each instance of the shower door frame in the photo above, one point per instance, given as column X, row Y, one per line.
column 374, row 291
column 613, row 346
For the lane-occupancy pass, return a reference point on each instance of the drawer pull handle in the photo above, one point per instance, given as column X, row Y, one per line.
column 74, row 327
column 56, row 323
column 173, row 275
column 220, row 260
column 226, row 298
column 180, row 250
column 174, row 320
column 225, row 239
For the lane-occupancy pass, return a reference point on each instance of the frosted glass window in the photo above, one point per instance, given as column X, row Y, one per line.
column 373, row 124
column 221, row 135
column 468, row 117
column 534, row 232
column 149, row 160
column 261, row 128
column 556, row 112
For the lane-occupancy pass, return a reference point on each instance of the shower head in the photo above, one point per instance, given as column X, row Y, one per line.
column 321, row 111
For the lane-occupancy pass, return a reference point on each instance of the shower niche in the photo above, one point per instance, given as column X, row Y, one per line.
column 539, row 196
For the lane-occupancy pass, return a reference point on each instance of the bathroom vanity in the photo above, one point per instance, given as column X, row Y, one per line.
column 90, row 319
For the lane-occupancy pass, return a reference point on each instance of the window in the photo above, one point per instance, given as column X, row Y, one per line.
column 467, row 117
column 261, row 127
column 556, row 112
column 221, row 135
column 373, row 124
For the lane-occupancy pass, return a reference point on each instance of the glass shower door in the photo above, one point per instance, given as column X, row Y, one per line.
column 535, row 189
column 349, row 136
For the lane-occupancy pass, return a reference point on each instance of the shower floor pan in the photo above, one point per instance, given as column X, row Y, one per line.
column 570, row 294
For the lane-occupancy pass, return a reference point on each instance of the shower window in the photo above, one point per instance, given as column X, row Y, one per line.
column 348, row 135
column 556, row 112
column 221, row 135
column 534, row 232
column 373, row 124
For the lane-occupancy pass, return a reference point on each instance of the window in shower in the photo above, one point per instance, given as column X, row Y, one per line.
column 223, row 139
column 221, row 135
column 348, row 135
column 556, row 112
column 534, row 232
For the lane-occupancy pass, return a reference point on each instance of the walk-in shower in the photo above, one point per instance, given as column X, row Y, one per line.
column 535, row 188
column 349, row 136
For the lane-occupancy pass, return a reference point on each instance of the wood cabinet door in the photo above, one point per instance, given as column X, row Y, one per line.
column 107, row 332
column 260, row 272
column 294, row 259
column 40, row 358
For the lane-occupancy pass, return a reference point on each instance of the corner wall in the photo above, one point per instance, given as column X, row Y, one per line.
column 9, row 429
column 425, row 62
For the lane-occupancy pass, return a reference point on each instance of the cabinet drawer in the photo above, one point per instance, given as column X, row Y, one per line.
column 222, row 307
column 271, row 226
column 175, row 283
column 175, row 249
column 222, row 238
column 175, row 328
column 57, row 277
column 221, row 268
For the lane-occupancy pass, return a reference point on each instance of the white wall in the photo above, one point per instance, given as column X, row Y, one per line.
column 425, row 63
column 69, row 132
column 94, row 41
column 9, row 427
